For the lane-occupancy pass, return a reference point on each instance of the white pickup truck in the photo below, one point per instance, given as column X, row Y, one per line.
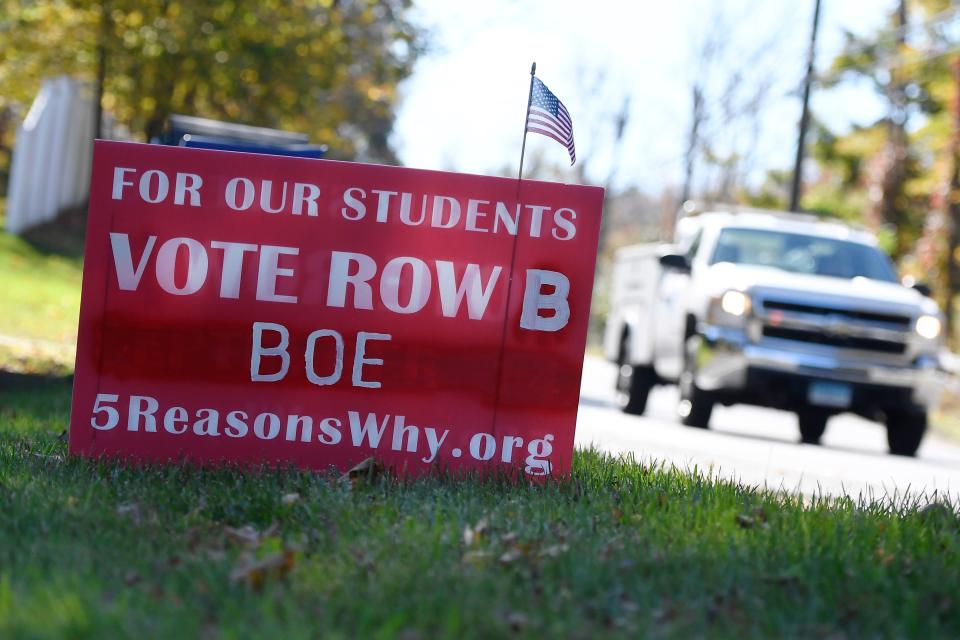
column 778, row 310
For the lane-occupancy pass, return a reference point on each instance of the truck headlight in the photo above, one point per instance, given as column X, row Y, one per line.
column 730, row 309
column 928, row 327
column 735, row 303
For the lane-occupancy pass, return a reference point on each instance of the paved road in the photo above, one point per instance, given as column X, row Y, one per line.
column 760, row 446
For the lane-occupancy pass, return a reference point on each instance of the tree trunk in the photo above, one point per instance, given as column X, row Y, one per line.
column 952, row 202
column 101, row 69
column 891, row 208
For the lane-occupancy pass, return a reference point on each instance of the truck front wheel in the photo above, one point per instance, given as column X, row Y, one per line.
column 905, row 430
column 633, row 383
column 696, row 405
column 812, row 425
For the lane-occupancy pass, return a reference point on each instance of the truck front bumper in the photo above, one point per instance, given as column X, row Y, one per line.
column 776, row 373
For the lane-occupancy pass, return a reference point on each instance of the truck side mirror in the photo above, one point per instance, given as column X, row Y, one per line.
column 920, row 287
column 676, row 262
column 923, row 289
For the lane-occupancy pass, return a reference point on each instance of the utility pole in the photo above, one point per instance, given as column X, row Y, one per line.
column 693, row 142
column 804, row 115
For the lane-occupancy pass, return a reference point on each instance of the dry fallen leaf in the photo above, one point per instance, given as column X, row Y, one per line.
column 53, row 457
column 365, row 470
column 472, row 535
column 508, row 537
column 216, row 555
column 517, row 620
column 255, row 572
column 130, row 510
column 884, row 557
column 476, row 556
column 511, row 555
column 245, row 535
column 757, row 516
column 554, row 550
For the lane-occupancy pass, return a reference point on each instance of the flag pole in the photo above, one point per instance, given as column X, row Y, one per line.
column 513, row 262
column 523, row 147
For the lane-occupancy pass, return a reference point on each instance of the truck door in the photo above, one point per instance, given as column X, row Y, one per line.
column 671, row 317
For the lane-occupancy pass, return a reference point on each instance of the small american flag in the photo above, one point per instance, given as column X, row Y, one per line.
column 548, row 116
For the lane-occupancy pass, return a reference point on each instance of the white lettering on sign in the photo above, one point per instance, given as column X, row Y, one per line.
column 419, row 288
column 342, row 274
column 119, row 181
column 145, row 414
column 197, row 265
column 142, row 410
column 280, row 337
column 241, row 193
column 475, row 214
column 305, row 194
column 535, row 300
column 153, row 186
column 146, row 184
column 470, row 287
column 353, row 198
column 187, row 183
column 334, row 376
column 470, row 214
column 111, row 417
column 128, row 278
column 360, row 359
column 563, row 219
column 445, row 206
column 370, row 429
column 269, row 271
column 175, row 420
column 232, row 266
column 266, row 197
column 538, row 463
column 354, row 271
column 405, row 284
column 259, row 351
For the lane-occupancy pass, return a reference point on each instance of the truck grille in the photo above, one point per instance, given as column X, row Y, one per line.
column 869, row 316
column 842, row 342
column 841, row 328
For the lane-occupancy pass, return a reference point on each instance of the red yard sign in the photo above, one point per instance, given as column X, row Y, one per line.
column 254, row 308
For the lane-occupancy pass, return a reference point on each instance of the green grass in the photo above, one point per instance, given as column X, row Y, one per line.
column 39, row 292
column 98, row 549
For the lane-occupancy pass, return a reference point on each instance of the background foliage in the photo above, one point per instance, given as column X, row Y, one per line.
column 329, row 68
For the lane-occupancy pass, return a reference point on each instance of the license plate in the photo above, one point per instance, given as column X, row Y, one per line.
column 830, row 394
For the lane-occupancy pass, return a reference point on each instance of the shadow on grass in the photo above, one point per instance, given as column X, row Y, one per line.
column 63, row 236
column 28, row 398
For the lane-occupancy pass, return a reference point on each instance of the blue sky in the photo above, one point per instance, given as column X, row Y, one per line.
column 463, row 107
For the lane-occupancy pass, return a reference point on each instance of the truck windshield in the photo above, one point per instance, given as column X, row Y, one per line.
column 801, row 253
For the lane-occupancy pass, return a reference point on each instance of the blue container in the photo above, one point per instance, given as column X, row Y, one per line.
column 203, row 133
